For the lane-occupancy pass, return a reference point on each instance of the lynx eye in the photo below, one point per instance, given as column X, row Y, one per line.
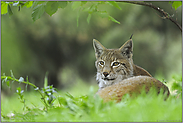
column 115, row 64
column 101, row 62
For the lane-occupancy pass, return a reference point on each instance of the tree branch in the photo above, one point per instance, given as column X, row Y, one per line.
column 165, row 14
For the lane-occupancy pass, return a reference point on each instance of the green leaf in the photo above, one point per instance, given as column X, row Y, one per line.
column 8, row 83
column 62, row 4
column 9, row 10
column 91, row 9
column 176, row 86
column 62, row 101
column 51, row 7
column 76, row 4
column 28, row 4
column 104, row 14
column 46, row 80
column 38, row 12
column 176, row 4
column 112, row 19
column 4, row 7
column 12, row 74
column 69, row 95
column 113, row 3
column 19, row 90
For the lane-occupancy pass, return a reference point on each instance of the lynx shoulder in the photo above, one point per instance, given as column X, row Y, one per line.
column 115, row 65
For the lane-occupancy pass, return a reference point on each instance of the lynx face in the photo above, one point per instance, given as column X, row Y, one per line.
column 113, row 65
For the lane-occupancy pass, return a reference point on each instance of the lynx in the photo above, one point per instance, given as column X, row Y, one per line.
column 115, row 65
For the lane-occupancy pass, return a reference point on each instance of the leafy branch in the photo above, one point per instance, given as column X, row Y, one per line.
column 165, row 14
column 51, row 7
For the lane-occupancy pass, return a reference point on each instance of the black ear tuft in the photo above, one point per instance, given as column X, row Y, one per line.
column 131, row 36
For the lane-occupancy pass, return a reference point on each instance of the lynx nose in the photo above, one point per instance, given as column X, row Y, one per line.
column 105, row 74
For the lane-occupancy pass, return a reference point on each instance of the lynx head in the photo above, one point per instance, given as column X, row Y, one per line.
column 113, row 65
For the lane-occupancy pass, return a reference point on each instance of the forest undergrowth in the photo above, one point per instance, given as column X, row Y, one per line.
column 47, row 105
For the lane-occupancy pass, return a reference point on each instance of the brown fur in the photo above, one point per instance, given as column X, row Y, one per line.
column 118, row 75
column 132, row 85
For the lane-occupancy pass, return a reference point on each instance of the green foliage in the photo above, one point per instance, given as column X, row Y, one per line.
column 176, row 4
column 51, row 7
column 177, row 85
column 91, row 108
column 93, row 7
column 160, row 41
column 9, row 11
column 4, row 7
column 46, row 92
column 113, row 3
column 104, row 14
column 38, row 12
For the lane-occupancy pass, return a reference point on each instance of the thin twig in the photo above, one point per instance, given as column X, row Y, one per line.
column 165, row 14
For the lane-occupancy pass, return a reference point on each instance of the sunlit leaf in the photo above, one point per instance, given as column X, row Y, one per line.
column 51, row 7
column 112, row 19
column 176, row 4
column 28, row 4
column 3, row 79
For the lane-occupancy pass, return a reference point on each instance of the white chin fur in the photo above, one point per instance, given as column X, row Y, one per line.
column 104, row 83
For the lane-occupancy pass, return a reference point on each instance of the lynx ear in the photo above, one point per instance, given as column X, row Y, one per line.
column 99, row 48
column 127, row 49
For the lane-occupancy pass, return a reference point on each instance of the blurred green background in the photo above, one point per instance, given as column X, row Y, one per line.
column 56, row 45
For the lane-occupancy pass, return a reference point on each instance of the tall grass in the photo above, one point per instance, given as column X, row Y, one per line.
column 90, row 108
